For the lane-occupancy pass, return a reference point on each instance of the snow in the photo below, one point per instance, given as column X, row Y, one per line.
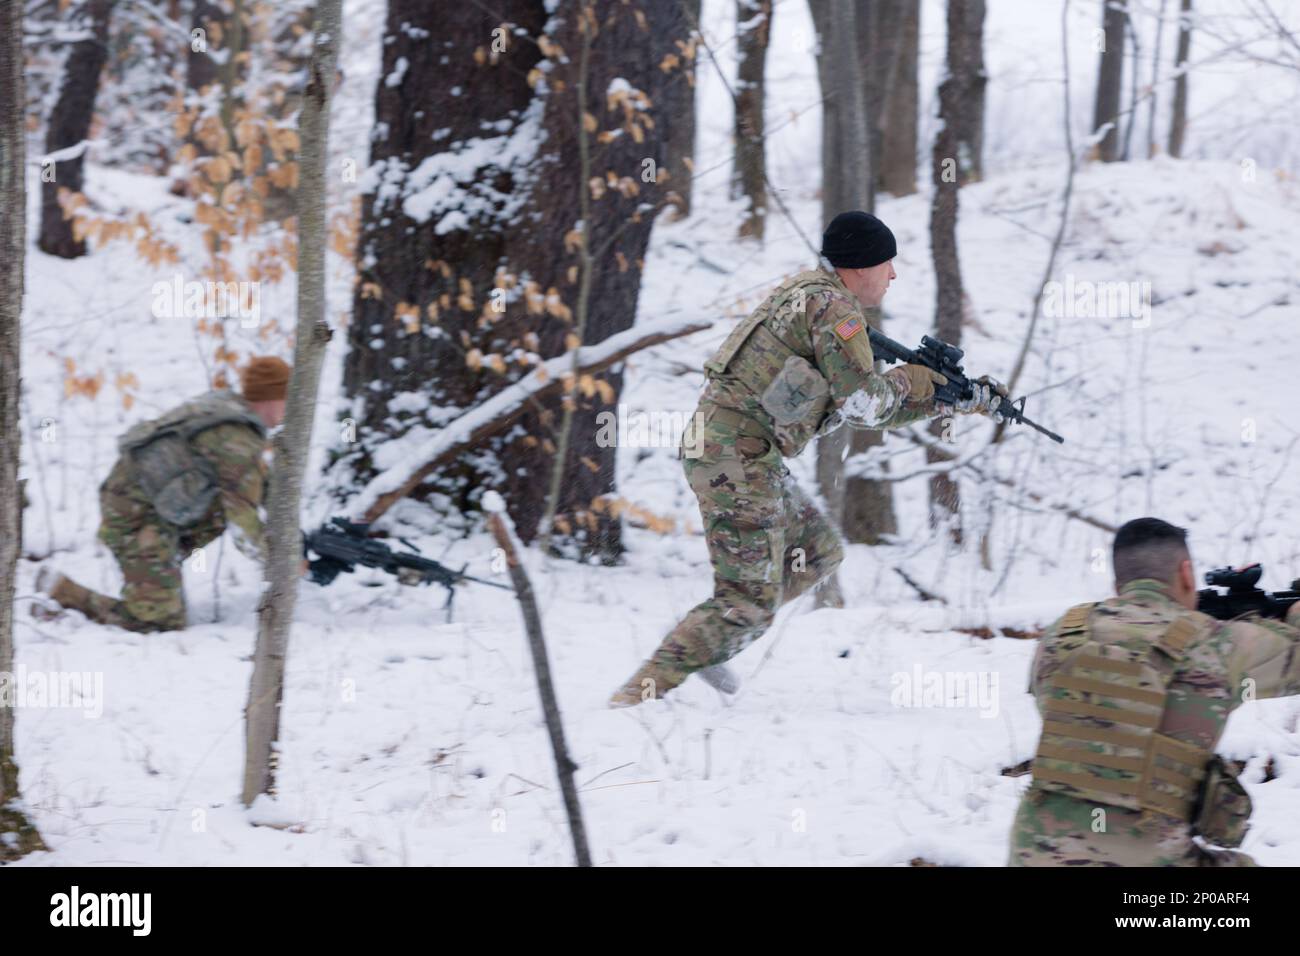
column 410, row 740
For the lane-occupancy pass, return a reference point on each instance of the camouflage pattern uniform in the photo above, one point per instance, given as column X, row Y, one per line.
column 767, row 541
column 150, row 549
column 1209, row 667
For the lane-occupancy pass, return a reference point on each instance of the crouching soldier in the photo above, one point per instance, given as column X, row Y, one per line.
column 1134, row 693
column 181, row 480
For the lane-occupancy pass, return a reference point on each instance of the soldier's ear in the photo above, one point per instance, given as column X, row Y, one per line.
column 1185, row 574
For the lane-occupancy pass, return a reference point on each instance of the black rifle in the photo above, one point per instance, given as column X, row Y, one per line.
column 1243, row 595
column 342, row 544
column 945, row 359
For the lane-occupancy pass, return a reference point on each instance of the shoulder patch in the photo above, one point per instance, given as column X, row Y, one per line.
column 848, row 328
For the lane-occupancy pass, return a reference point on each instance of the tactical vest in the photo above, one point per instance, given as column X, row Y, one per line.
column 180, row 483
column 1101, row 739
column 788, row 391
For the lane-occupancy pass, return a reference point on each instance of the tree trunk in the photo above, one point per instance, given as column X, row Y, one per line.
column 753, row 27
column 861, row 508
column 1155, row 81
column 962, row 86
column 679, row 126
column 896, row 173
column 18, row 836
column 69, row 127
column 1110, row 75
column 969, row 122
column 469, row 254
column 283, row 534
column 1178, row 122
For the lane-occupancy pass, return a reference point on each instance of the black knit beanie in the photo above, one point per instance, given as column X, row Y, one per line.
column 857, row 240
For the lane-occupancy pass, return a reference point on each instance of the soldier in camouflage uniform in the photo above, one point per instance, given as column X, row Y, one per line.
column 799, row 365
column 1134, row 693
column 180, row 482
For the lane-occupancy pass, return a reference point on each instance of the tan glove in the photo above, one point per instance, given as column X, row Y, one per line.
column 916, row 382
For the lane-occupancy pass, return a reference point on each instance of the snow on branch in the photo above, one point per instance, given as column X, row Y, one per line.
column 507, row 406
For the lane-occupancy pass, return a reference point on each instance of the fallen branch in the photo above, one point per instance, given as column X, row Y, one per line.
column 504, row 534
column 507, row 407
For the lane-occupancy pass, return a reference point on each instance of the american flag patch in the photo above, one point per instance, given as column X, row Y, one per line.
column 848, row 328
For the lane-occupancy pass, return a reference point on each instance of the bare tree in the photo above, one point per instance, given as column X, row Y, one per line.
column 69, row 127
column 18, row 836
column 275, row 611
column 863, row 508
column 456, row 301
column 1178, row 121
column 749, row 176
column 897, row 118
column 969, row 120
column 1110, row 75
column 955, row 150
column 1155, row 81
column 678, row 126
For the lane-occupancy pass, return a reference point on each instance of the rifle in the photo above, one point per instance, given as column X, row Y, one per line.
column 945, row 359
column 1243, row 595
column 342, row 545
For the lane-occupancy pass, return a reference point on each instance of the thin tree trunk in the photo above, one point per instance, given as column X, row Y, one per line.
column 275, row 611
column 69, row 127
column 1155, row 82
column 862, row 508
column 18, row 836
column 1178, row 122
column 1135, row 56
column 1110, row 75
column 899, row 116
column 498, row 523
column 955, row 161
column 753, row 27
column 969, row 122
column 679, row 125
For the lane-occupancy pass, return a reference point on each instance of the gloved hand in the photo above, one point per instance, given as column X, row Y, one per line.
column 916, row 382
column 987, row 396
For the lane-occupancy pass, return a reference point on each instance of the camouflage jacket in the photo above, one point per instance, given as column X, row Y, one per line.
column 234, row 451
column 813, row 316
column 1222, row 664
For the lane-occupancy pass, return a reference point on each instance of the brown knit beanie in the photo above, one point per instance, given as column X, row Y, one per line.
column 265, row 379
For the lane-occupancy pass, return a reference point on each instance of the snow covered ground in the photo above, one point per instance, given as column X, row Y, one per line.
column 408, row 740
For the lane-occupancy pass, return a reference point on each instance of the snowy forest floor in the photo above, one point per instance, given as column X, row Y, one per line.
column 408, row 740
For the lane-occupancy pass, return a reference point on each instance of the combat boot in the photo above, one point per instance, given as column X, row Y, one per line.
column 652, row 680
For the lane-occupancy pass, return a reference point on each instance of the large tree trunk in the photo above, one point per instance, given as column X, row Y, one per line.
column 69, row 127
column 898, row 115
column 17, row 835
column 1178, row 121
column 749, row 177
column 1110, row 75
column 469, row 252
column 962, row 86
column 863, row 509
column 678, row 127
column 283, row 534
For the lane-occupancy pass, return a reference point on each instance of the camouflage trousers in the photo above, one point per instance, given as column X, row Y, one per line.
column 149, row 551
column 767, row 544
column 1054, row 829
